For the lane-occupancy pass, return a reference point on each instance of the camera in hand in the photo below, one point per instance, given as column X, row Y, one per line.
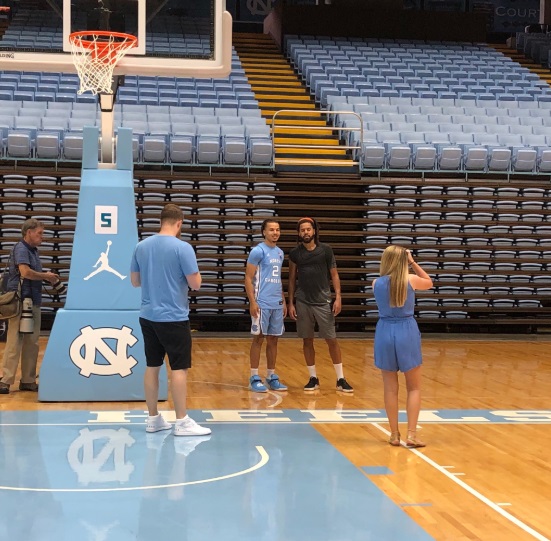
column 60, row 288
column 26, row 323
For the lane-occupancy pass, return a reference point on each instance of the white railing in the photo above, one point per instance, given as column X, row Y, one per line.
column 279, row 122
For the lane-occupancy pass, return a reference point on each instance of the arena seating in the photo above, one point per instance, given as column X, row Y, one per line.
column 482, row 262
column 53, row 131
column 42, row 115
column 233, row 91
column 429, row 106
column 448, row 134
column 486, row 244
column 536, row 46
column 222, row 219
column 409, row 69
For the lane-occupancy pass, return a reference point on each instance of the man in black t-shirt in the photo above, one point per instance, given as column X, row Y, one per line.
column 314, row 264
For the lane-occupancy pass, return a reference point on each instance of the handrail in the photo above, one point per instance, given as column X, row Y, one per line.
column 282, row 113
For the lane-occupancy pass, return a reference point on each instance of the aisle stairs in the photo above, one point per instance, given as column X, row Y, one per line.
column 303, row 140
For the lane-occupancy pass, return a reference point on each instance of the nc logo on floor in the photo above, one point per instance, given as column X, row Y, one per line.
column 98, row 456
column 85, row 348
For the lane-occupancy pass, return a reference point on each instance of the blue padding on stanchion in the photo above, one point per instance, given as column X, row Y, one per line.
column 95, row 351
column 124, row 149
column 90, row 138
column 105, row 236
column 95, row 355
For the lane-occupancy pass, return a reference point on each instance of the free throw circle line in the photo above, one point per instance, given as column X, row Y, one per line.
column 264, row 459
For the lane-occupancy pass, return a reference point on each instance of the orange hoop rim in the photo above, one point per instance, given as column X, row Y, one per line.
column 128, row 39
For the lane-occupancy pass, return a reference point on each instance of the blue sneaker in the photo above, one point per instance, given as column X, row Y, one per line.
column 274, row 383
column 256, row 385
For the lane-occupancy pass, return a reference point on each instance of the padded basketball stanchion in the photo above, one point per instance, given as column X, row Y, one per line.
column 95, row 350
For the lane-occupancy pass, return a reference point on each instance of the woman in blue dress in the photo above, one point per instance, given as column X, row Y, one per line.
column 397, row 337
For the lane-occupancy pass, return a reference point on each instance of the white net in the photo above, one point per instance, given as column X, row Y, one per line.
column 95, row 56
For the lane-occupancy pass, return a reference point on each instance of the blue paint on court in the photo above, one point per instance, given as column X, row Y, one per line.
column 112, row 482
column 377, row 470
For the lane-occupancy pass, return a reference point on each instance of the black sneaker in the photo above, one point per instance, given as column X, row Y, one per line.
column 344, row 386
column 4, row 388
column 312, row 385
column 33, row 387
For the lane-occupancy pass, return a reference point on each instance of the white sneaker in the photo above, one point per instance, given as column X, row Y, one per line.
column 156, row 423
column 188, row 427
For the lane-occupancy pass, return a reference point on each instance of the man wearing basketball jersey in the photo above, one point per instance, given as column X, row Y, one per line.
column 267, row 305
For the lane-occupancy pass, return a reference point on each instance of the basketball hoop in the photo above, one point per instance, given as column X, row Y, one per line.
column 95, row 54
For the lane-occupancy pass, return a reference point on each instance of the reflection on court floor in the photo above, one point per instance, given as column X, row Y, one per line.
column 66, row 478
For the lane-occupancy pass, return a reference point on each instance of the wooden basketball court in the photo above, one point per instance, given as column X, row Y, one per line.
column 485, row 473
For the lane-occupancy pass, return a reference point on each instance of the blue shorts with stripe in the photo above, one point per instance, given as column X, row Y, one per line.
column 268, row 323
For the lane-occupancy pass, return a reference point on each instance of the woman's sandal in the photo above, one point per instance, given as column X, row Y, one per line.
column 394, row 439
column 412, row 442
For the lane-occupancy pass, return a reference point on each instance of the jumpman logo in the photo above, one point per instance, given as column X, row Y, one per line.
column 103, row 263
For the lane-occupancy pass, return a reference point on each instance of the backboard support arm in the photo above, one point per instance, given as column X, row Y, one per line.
column 107, row 106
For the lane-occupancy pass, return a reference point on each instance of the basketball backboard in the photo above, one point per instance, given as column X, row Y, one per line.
column 175, row 38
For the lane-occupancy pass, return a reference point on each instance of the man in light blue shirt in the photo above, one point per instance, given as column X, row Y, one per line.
column 165, row 267
column 267, row 305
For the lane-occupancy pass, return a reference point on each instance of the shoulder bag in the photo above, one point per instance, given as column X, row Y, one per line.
column 10, row 301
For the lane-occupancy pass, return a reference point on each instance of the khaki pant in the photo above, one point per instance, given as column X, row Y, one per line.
column 24, row 346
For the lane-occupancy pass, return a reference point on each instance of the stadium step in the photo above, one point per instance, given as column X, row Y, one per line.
column 315, row 139
column 300, row 132
column 312, row 150
column 281, row 103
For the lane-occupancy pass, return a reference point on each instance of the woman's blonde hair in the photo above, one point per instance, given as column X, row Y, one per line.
column 394, row 263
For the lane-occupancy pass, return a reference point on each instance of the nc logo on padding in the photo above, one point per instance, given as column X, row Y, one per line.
column 90, row 347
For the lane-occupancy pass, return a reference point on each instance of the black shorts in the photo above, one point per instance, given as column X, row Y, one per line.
column 172, row 338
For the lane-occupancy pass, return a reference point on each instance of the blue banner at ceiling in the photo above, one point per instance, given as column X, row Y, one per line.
column 509, row 16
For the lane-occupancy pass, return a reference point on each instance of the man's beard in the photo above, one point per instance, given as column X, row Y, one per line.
column 307, row 238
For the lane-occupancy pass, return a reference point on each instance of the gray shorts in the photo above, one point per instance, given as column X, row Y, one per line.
column 309, row 314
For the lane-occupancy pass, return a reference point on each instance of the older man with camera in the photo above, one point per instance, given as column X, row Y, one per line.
column 25, row 271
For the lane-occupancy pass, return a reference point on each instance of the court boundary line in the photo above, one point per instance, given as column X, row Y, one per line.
column 472, row 491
